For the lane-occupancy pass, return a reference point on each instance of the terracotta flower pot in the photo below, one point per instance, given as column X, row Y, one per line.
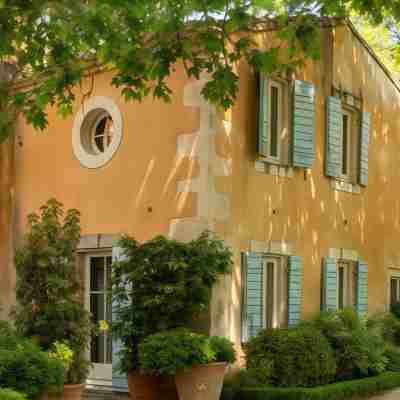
column 203, row 382
column 71, row 392
column 143, row 387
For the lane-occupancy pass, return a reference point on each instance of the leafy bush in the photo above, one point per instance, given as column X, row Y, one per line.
column 169, row 283
column 24, row 367
column 298, row 356
column 223, row 349
column 48, row 285
column 387, row 325
column 358, row 351
column 9, row 394
column 168, row 352
column 392, row 353
column 395, row 309
column 337, row 391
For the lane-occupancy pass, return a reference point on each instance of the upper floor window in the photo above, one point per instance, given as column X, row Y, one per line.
column 286, row 122
column 347, row 142
column 97, row 132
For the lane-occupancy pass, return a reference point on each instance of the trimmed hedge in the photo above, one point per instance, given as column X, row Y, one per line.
column 9, row 394
column 336, row 391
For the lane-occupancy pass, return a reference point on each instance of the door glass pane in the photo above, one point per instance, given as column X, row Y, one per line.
column 274, row 121
column 270, row 295
column 98, row 312
column 96, row 274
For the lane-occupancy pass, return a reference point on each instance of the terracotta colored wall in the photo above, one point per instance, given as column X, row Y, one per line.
column 234, row 199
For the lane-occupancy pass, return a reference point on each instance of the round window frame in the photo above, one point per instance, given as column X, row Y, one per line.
column 85, row 120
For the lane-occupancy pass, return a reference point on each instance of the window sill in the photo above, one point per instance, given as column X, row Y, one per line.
column 274, row 169
column 348, row 187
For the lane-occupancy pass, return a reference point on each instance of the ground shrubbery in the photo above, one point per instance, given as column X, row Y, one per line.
column 299, row 356
column 24, row 367
column 9, row 394
column 334, row 346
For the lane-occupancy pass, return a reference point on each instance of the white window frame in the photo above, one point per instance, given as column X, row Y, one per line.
column 280, row 123
column 279, row 290
column 349, row 282
column 396, row 277
column 99, row 374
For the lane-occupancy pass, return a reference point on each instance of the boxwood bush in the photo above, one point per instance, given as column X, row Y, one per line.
column 338, row 391
column 25, row 368
column 9, row 394
column 298, row 356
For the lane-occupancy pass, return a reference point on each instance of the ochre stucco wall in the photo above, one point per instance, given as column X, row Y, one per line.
column 146, row 169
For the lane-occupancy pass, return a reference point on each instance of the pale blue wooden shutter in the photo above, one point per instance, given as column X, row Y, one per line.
column 334, row 146
column 295, row 280
column 253, row 295
column 362, row 288
column 303, row 124
column 119, row 381
column 329, row 281
column 263, row 117
column 364, row 145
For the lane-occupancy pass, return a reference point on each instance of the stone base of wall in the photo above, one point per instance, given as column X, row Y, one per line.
column 93, row 393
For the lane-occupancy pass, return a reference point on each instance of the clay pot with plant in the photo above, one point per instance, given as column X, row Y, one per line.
column 197, row 362
column 50, row 305
column 161, row 285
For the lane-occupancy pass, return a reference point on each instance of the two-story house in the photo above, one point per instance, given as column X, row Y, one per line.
column 300, row 178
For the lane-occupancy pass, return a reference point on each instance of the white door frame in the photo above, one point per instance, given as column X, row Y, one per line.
column 100, row 374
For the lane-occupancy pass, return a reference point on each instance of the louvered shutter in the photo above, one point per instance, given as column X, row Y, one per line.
column 303, row 124
column 253, row 295
column 329, row 284
column 334, row 146
column 295, row 280
column 119, row 381
column 362, row 288
column 263, row 118
column 364, row 145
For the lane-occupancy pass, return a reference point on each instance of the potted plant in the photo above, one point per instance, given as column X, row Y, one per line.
column 160, row 285
column 50, row 305
column 198, row 362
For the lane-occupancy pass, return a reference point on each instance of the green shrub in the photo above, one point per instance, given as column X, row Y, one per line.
column 358, row 351
column 395, row 309
column 27, row 369
column 392, row 353
column 9, row 394
column 387, row 325
column 298, row 356
column 223, row 349
column 168, row 352
column 337, row 391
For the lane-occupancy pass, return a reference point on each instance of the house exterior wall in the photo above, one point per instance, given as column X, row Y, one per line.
column 185, row 166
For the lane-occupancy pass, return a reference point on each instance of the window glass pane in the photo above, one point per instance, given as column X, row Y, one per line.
column 393, row 291
column 341, row 287
column 96, row 274
column 270, row 295
column 274, row 121
column 98, row 314
column 345, row 144
column 355, row 285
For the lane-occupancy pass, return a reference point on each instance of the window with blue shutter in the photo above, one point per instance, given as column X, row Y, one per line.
column 364, row 147
column 253, row 295
column 329, row 284
column 119, row 381
column 303, row 124
column 263, row 117
column 334, row 145
column 362, row 288
column 295, row 280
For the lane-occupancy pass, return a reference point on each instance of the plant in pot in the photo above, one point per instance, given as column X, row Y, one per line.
column 50, row 302
column 197, row 361
column 159, row 285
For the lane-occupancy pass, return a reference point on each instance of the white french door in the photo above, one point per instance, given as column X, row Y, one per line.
column 98, row 281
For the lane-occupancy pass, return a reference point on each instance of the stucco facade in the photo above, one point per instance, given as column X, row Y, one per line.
column 185, row 167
